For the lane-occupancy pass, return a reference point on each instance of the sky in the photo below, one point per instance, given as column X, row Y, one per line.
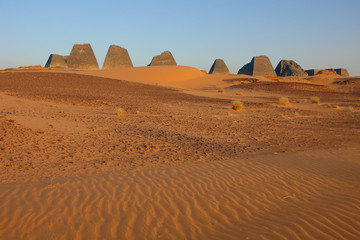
column 314, row 33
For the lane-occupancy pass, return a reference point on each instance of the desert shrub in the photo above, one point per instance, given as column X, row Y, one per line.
column 351, row 109
column 221, row 90
column 315, row 100
column 334, row 106
column 119, row 111
column 237, row 105
column 284, row 101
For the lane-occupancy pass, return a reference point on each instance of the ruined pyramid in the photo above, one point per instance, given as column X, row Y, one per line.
column 56, row 61
column 219, row 66
column 82, row 57
column 259, row 66
column 117, row 57
column 289, row 68
column 165, row 58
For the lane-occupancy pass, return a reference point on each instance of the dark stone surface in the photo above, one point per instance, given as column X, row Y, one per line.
column 165, row 58
column 342, row 71
column 289, row 68
column 219, row 66
column 82, row 57
column 117, row 57
column 259, row 66
column 247, row 69
column 57, row 61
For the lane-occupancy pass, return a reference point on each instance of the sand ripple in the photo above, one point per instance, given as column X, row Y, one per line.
column 235, row 199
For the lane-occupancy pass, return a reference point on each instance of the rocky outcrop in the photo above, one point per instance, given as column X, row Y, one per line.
column 117, row 57
column 289, row 68
column 57, row 61
column 165, row 58
column 219, row 66
column 259, row 66
column 82, row 57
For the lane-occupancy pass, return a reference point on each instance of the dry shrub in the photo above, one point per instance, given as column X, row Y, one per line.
column 300, row 100
column 334, row 106
column 351, row 109
column 119, row 111
column 221, row 90
column 239, row 94
column 237, row 105
column 284, row 101
column 315, row 100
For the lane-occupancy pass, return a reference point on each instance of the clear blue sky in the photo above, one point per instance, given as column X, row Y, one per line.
column 316, row 34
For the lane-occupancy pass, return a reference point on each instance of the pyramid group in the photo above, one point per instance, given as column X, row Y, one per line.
column 82, row 57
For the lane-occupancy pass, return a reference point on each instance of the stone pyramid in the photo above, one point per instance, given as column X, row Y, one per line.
column 289, row 68
column 259, row 66
column 219, row 66
column 57, row 61
column 82, row 57
column 117, row 57
column 165, row 58
column 342, row 71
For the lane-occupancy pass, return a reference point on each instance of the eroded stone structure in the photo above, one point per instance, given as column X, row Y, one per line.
column 57, row 61
column 259, row 66
column 289, row 68
column 219, row 66
column 117, row 57
column 165, row 58
column 82, row 57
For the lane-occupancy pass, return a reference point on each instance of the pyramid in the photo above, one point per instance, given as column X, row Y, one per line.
column 117, row 57
column 313, row 72
column 259, row 66
column 56, row 61
column 342, row 71
column 289, row 68
column 219, row 66
column 165, row 58
column 82, row 57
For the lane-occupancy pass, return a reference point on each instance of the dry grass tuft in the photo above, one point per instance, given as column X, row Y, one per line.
column 351, row 109
column 221, row 90
column 239, row 94
column 334, row 106
column 299, row 100
column 315, row 100
column 237, row 105
column 119, row 111
column 284, row 101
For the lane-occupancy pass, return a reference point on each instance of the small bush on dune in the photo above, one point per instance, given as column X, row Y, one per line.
column 315, row 100
column 351, row 109
column 284, row 101
column 334, row 106
column 221, row 90
column 119, row 111
column 237, row 105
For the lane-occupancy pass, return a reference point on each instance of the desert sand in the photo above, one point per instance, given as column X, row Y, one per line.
column 178, row 162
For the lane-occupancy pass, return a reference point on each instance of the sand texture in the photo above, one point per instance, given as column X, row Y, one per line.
column 177, row 162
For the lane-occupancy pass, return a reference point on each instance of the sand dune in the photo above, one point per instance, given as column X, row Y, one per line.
column 176, row 166
column 288, row 196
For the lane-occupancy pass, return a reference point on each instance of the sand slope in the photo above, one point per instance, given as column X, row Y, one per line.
column 175, row 166
column 273, row 197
